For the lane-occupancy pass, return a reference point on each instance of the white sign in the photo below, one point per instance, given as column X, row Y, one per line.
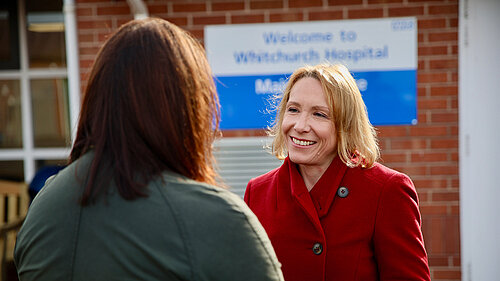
column 275, row 48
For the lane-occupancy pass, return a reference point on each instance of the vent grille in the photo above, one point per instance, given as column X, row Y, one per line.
column 241, row 159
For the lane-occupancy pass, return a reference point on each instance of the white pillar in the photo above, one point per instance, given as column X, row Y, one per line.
column 138, row 8
column 479, row 109
column 73, row 65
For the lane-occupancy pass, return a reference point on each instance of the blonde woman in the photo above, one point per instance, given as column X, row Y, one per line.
column 331, row 211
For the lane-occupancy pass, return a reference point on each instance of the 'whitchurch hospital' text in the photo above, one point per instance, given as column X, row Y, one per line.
column 320, row 49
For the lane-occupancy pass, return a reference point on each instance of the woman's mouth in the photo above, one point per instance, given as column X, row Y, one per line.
column 302, row 142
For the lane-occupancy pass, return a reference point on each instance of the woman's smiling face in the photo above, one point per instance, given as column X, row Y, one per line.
column 308, row 125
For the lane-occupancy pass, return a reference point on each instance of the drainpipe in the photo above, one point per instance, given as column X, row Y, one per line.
column 138, row 8
column 73, row 65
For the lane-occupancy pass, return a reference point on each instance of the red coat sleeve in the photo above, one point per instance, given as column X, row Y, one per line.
column 398, row 241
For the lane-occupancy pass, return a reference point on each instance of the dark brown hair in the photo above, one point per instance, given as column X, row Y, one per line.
column 150, row 105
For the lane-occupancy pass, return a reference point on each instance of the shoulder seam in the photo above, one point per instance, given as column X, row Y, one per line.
column 182, row 230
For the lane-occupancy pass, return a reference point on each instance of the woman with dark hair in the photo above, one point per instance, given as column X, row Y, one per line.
column 138, row 200
column 331, row 211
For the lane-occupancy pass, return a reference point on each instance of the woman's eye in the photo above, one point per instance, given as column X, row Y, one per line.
column 292, row 109
column 322, row 115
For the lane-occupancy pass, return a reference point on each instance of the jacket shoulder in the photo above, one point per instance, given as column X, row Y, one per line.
column 382, row 174
column 264, row 179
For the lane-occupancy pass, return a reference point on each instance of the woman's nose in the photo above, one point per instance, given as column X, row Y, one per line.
column 301, row 124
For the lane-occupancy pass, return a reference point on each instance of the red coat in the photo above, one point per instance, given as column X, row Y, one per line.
column 373, row 233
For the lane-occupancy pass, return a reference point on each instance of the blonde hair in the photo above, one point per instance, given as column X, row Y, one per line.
column 356, row 137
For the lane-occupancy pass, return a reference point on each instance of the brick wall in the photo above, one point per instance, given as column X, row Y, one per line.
column 427, row 152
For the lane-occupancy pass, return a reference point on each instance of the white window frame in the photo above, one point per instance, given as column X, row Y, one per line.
column 29, row 154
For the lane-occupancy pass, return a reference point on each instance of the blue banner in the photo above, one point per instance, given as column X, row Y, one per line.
column 247, row 101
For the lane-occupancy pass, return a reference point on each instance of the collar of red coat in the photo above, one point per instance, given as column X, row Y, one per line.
column 317, row 202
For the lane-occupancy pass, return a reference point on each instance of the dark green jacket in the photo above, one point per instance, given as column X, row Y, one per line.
column 184, row 230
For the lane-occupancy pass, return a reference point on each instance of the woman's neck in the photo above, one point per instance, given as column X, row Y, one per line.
column 311, row 174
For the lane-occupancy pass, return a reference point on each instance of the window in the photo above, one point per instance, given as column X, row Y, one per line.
column 34, row 99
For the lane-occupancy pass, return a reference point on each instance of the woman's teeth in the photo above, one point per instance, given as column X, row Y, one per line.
column 304, row 143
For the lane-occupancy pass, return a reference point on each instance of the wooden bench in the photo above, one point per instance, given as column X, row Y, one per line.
column 14, row 201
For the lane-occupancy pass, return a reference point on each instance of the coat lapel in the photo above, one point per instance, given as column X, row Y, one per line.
column 324, row 191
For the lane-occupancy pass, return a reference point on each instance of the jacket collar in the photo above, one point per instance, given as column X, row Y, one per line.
column 317, row 202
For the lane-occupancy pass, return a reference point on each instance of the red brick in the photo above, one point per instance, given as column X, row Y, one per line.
column 251, row 18
column 444, row 64
column 86, row 63
column 228, row 6
column 430, row 183
column 180, row 21
column 243, row 133
column 449, row 9
column 456, row 260
column 445, row 170
column 370, row 2
column 447, row 274
column 304, row 4
column 393, row 157
column 433, row 228
column 123, row 20
column 189, row 7
column 454, row 76
column 423, row 196
column 444, row 143
column 445, row 196
column 344, row 2
column 420, row 38
column 103, row 36
column 157, row 8
column 454, row 50
column 196, row 32
column 203, row 20
column 426, row 1
column 454, row 157
column 432, row 51
column 410, row 170
column 326, row 15
column 88, row 50
column 383, row 144
column 421, row 64
column 82, row 12
column 406, row 11
column 422, row 118
column 432, row 77
column 412, row 143
column 88, row 1
column 431, row 23
column 421, row 91
column 94, row 24
column 284, row 17
column 429, row 157
column 435, row 103
column 365, row 13
column 443, row 37
column 392, row 131
column 85, row 38
column 266, row 5
column 429, row 131
column 444, row 90
column 453, row 22
column 438, row 260
column 454, row 183
column 113, row 10
column 444, row 117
